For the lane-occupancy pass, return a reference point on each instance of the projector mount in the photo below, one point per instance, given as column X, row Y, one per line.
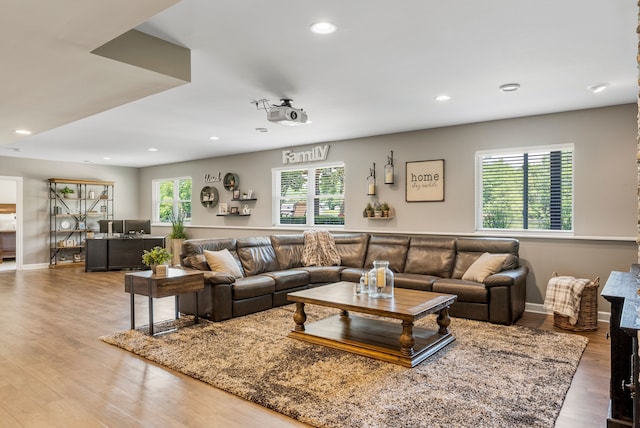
column 284, row 114
column 263, row 104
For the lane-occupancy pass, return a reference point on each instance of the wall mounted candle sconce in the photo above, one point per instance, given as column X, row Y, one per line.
column 371, row 181
column 388, row 170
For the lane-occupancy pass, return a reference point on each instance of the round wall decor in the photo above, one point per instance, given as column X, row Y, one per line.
column 209, row 196
column 231, row 181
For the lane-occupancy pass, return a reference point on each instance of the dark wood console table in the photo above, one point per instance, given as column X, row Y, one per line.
column 119, row 253
column 621, row 290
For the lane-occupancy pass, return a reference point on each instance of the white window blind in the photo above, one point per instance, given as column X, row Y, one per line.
column 309, row 196
column 529, row 189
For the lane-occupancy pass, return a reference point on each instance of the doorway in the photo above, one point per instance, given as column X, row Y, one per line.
column 11, row 223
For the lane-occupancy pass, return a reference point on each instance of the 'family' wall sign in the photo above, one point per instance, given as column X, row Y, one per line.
column 317, row 153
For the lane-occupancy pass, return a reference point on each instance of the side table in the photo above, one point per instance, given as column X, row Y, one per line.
column 176, row 282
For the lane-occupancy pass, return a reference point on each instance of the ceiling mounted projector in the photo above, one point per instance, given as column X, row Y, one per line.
column 283, row 114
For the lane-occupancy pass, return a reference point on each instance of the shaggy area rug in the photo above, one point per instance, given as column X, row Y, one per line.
column 491, row 376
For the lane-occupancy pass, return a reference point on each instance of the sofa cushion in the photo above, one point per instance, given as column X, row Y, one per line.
column 485, row 265
column 223, row 261
column 414, row 281
column 257, row 255
column 467, row 291
column 288, row 249
column 469, row 249
column 352, row 274
column 431, row 256
column 286, row 279
column 323, row 274
column 253, row 286
column 352, row 248
column 197, row 246
column 392, row 248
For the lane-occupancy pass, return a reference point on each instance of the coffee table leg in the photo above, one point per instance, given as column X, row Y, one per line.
column 444, row 321
column 299, row 316
column 406, row 339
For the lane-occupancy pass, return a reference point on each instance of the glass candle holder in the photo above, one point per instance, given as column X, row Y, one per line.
column 381, row 280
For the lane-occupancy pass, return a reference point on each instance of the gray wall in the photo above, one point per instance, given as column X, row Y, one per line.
column 35, row 174
column 605, row 188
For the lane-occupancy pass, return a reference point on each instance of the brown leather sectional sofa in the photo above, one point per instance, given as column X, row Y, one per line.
column 272, row 268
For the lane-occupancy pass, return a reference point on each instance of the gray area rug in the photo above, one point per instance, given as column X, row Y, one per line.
column 491, row 376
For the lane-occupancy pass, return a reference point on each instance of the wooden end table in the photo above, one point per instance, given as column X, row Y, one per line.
column 176, row 282
column 398, row 343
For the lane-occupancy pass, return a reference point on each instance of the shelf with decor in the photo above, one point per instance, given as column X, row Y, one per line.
column 75, row 207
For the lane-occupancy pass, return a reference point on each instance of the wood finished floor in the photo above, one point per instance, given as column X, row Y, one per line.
column 54, row 372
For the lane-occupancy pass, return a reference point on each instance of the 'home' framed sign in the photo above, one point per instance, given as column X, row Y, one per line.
column 425, row 181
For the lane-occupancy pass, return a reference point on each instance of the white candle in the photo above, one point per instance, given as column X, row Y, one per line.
column 372, row 189
column 388, row 177
column 381, row 278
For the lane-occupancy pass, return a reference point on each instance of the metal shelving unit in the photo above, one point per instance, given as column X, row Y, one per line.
column 73, row 215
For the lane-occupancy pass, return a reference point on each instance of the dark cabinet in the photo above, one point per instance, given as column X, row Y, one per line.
column 620, row 288
column 96, row 254
column 119, row 253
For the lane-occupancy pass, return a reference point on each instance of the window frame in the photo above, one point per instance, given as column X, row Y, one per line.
column 276, row 175
column 155, row 183
column 479, row 218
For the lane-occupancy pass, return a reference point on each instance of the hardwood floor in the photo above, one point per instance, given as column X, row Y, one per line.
column 54, row 372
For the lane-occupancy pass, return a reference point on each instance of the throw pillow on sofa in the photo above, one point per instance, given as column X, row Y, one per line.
column 223, row 261
column 487, row 264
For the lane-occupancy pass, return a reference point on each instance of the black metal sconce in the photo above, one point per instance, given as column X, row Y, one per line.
column 388, row 170
column 371, row 181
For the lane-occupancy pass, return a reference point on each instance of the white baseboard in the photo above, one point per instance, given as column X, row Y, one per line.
column 538, row 308
column 35, row 266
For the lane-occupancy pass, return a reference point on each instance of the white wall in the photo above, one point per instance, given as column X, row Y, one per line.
column 8, row 192
column 605, row 187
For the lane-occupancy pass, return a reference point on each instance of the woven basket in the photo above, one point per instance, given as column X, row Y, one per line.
column 588, row 315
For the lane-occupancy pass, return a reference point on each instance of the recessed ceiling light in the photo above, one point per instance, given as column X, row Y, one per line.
column 443, row 97
column 598, row 87
column 152, row 149
column 262, row 130
column 509, row 87
column 106, row 158
column 323, row 27
column 22, row 131
column 214, row 138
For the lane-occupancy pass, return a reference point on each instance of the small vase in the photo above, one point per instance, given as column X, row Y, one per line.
column 381, row 280
column 153, row 268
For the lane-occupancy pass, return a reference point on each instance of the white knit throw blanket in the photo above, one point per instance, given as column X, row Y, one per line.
column 563, row 296
column 319, row 249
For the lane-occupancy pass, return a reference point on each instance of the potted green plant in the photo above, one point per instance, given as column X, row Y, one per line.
column 66, row 191
column 369, row 210
column 177, row 235
column 377, row 210
column 385, row 209
column 156, row 256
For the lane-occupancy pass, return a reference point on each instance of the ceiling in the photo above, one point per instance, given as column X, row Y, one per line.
column 379, row 73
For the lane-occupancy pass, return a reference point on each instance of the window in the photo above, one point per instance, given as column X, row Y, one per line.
column 311, row 196
column 530, row 189
column 171, row 195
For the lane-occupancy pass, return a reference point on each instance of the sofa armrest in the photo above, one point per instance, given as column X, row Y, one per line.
column 218, row 277
column 507, row 277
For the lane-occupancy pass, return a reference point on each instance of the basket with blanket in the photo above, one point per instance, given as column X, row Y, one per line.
column 574, row 302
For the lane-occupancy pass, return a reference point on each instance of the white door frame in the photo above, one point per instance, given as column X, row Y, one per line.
column 19, row 216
